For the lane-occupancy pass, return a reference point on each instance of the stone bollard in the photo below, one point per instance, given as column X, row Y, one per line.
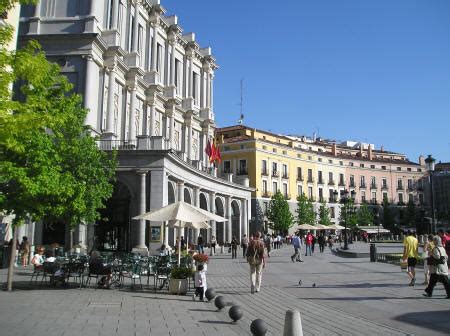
column 293, row 324
column 221, row 249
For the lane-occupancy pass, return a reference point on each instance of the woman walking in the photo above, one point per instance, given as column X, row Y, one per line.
column 438, row 268
column 234, row 245
column 426, row 252
column 255, row 258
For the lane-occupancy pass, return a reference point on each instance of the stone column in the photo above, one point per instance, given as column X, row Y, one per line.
column 140, row 232
column 211, row 92
column 134, row 43
column 154, row 45
column 110, row 106
column 37, row 9
column 228, row 215
column 190, row 83
column 172, row 64
column 208, row 90
column 212, row 208
column 132, row 115
column 244, row 224
column 196, row 192
column 170, row 122
column 151, row 113
column 158, row 198
column 180, row 197
column 90, row 90
column 114, row 16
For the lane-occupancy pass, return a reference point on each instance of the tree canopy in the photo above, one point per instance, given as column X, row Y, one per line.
column 279, row 214
column 364, row 215
column 305, row 210
column 324, row 214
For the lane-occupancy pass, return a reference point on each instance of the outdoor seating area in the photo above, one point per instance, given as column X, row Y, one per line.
column 112, row 271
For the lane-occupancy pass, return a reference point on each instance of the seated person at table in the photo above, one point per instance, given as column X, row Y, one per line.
column 96, row 267
column 38, row 258
column 163, row 251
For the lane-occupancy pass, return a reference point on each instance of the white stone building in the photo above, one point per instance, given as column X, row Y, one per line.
column 149, row 90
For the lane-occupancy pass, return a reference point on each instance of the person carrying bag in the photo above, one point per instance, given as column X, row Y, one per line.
column 438, row 268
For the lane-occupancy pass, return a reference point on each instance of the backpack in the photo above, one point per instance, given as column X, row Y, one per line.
column 253, row 255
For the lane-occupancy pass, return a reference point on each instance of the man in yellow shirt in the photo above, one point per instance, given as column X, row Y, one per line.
column 410, row 253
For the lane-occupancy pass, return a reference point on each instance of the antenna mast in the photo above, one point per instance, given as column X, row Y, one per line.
column 241, row 118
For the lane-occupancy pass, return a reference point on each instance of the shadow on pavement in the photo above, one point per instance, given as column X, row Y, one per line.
column 360, row 298
column 203, row 310
column 217, row 322
column 433, row 320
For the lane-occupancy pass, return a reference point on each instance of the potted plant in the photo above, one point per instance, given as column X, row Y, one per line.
column 200, row 258
column 178, row 283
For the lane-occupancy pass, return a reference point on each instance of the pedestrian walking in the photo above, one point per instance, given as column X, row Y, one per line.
column 213, row 245
column 426, row 252
column 313, row 244
column 410, row 254
column 200, row 244
column 268, row 240
column 321, row 241
column 297, row 244
column 24, row 250
column 438, row 268
column 244, row 245
column 234, row 245
column 199, row 282
column 255, row 258
column 308, row 243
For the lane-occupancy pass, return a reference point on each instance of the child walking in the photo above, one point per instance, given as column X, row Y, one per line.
column 199, row 282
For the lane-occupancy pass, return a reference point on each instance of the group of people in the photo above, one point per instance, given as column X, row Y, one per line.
column 435, row 252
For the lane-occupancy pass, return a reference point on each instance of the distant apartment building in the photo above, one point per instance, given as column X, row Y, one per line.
column 318, row 168
column 441, row 192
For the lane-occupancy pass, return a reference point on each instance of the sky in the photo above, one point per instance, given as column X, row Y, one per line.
column 375, row 71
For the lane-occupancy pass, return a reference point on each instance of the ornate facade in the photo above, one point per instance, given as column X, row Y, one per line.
column 149, row 91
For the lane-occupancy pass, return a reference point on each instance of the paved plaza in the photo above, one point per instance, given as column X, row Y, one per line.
column 351, row 297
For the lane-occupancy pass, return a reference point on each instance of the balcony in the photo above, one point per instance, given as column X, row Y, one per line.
column 352, row 184
column 287, row 196
column 242, row 171
column 227, row 171
column 401, row 203
column 266, row 194
column 384, row 187
column 410, row 187
column 142, row 143
column 373, row 201
column 285, row 176
column 275, row 174
column 312, row 199
column 399, row 187
column 331, row 200
column 341, row 184
column 310, row 179
column 331, row 183
column 320, row 181
column 419, row 188
column 373, row 186
column 300, row 178
column 265, row 172
column 362, row 186
column 321, row 199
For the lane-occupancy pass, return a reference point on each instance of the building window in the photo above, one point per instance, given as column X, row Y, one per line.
column 383, row 167
column 320, row 195
column 421, row 199
column 110, row 10
column 330, row 195
column 384, row 183
column 285, row 190
column 310, row 176
column 319, row 177
column 274, row 187
column 264, row 147
column 159, row 59
column 264, row 167
column 274, row 150
column 372, row 166
column 310, row 158
column 400, row 198
column 274, row 169
column 131, row 33
column 374, row 197
column 319, row 159
column 352, row 181
column 341, row 180
column 408, row 169
column 341, row 163
column 373, row 182
column 330, row 161
column 140, row 39
column 351, row 164
column 265, row 208
column 363, row 196
column 332, row 213
column 285, row 171
column 264, row 187
column 243, row 167
column 410, row 184
column 385, row 196
column 399, row 184
column 177, row 75
column 410, row 198
column 284, row 152
column 419, row 170
column 299, row 174
column 330, row 178
column 362, row 182
column 299, row 156
column 399, row 168
column 310, row 193
column 195, row 83
column 299, row 190
column 361, row 165
column 227, row 167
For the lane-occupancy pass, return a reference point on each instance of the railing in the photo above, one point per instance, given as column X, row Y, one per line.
column 401, row 203
column 352, row 185
column 108, row 145
column 331, row 200
column 264, row 172
column 285, row 176
column 142, row 143
column 299, row 177
column 266, row 194
column 341, row 183
column 275, row 174
column 384, row 187
column 331, row 182
column 310, row 180
column 373, row 202
column 399, row 187
column 287, row 196
column 393, row 258
column 242, row 172
column 320, row 181
column 362, row 186
column 373, row 186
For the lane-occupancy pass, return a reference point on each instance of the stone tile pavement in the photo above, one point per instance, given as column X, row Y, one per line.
column 351, row 297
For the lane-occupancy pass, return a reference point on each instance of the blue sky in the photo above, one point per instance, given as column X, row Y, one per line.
column 376, row 71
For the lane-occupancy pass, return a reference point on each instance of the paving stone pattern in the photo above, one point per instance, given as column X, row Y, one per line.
column 351, row 297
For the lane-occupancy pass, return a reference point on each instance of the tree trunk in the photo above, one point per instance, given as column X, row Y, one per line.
column 71, row 240
column 12, row 258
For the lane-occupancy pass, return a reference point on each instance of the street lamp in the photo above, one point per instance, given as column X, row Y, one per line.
column 345, row 201
column 430, row 168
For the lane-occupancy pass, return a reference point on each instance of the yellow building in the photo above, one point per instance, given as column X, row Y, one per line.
column 318, row 168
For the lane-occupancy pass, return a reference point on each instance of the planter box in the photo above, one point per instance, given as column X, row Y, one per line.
column 178, row 286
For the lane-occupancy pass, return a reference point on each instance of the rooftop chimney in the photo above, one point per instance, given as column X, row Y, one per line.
column 422, row 160
column 382, row 148
column 369, row 152
column 334, row 150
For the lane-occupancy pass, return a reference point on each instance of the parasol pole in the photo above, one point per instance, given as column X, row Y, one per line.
column 179, row 245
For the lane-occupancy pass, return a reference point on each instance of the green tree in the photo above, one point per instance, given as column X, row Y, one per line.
column 324, row 214
column 388, row 216
column 364, row 215
column 305, row 210
column 410, row 214
column 348, row 214
column 49, row 165
column 279, row 214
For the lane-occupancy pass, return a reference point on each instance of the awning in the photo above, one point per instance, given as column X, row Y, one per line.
column 376, row 230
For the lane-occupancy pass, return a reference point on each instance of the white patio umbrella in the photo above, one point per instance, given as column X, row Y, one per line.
column 336, row 227
column 180, row 215
column 322, row 227
column 307, row 227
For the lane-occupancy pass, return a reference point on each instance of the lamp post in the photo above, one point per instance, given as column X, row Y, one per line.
column 430, row 168
column 346, row 201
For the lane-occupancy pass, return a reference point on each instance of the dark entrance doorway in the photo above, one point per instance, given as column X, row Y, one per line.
column 112, row 231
